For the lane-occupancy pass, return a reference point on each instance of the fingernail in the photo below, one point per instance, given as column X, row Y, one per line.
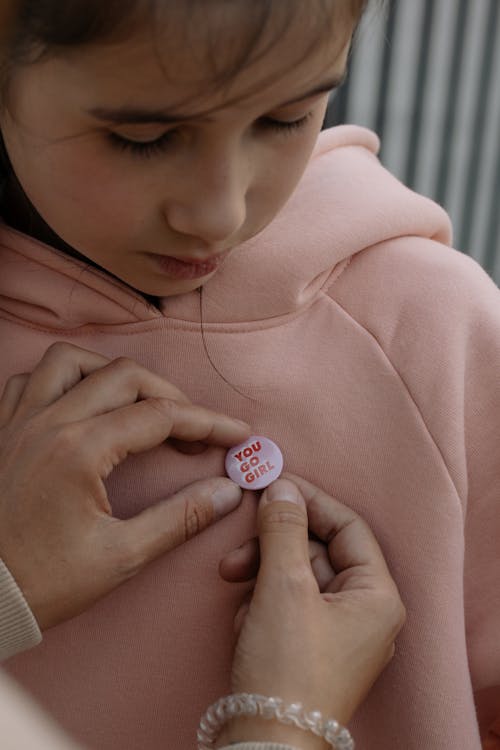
column 283, row 489
column 226, row 498
column 242, row 423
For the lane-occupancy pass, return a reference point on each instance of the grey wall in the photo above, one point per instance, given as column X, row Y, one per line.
column 425, row 75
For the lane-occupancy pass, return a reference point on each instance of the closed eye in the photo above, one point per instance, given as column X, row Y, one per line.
column 284, row 126
column 158, row 145
column 141, row 148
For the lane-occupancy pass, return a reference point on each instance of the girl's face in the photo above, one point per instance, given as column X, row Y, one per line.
column 131, row 166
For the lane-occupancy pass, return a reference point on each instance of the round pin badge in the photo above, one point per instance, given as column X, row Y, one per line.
column 254, row 464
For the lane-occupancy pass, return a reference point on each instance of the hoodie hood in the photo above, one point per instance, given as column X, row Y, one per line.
column 345, row 202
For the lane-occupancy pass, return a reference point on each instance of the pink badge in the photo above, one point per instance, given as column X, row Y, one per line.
column 255, row 463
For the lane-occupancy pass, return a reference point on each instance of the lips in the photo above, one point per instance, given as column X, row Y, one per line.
column 192, row 268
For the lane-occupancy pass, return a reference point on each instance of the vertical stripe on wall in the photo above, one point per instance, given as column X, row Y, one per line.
column 425, row 75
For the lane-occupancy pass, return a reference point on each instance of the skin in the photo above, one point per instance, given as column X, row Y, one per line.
column 221, row 178
column 63, row 429
column 327, row 652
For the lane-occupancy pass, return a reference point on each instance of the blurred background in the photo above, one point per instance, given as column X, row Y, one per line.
column 425, row 76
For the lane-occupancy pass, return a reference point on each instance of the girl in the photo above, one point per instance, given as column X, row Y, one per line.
column 168, row 198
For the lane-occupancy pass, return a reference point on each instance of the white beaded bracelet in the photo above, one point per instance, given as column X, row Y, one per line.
column 250, row 704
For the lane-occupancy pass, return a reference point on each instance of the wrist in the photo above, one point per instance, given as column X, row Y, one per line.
column 251, row 717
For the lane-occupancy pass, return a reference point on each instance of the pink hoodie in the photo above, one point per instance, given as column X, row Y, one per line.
column 370, row 352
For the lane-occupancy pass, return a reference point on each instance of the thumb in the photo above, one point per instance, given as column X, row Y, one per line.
column 283, row 527
column 173, row 521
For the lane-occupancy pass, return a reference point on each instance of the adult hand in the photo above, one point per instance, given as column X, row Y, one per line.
column 322, row 645
column 63, row 428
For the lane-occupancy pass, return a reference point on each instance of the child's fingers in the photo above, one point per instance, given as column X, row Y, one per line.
column 351, row 544
column 61, row 367
column 169, row 523
column 110, row 437
column 14, row 389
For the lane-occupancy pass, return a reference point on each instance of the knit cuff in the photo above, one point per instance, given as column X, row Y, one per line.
column 19, row 630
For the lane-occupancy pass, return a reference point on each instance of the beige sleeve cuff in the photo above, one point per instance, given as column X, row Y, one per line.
column 19, row 630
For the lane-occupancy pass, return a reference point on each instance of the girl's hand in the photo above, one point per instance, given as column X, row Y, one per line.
column 63, row 428
column 321, row 645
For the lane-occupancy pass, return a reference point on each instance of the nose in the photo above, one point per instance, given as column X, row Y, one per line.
column 209, row 199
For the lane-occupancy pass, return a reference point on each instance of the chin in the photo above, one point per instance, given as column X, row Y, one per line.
column 168, row 287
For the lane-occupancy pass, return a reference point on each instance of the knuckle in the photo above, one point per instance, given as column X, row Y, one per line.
column 15, row 380
column 196, row 518
column 68, row 440
column 299, row 578
column 60, row 350
column 14, row 385
column 126, row 367
column 297, row 583
column 390, row 655
column 124, row 555
column 279, row 517
column 128, row 560
column 397, row 612
column 130, row 374
column 393, row 611
column 401, row 615
column 162, row 407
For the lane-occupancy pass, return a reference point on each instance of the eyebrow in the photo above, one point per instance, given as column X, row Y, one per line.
column 138, row 115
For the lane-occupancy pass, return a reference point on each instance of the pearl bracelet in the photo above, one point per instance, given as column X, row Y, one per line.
column 250, row 704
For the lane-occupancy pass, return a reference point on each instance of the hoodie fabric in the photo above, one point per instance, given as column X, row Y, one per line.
column 349, row 333
column 25, row 727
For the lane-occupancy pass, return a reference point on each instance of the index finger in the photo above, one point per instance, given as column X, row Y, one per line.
column 109, row 438
column 354, row 552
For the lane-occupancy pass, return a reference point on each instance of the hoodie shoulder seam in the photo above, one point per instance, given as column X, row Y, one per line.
column 409, row 392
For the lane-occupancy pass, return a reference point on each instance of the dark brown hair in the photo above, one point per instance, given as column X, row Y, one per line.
column 47, row 27
column 43, row 28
